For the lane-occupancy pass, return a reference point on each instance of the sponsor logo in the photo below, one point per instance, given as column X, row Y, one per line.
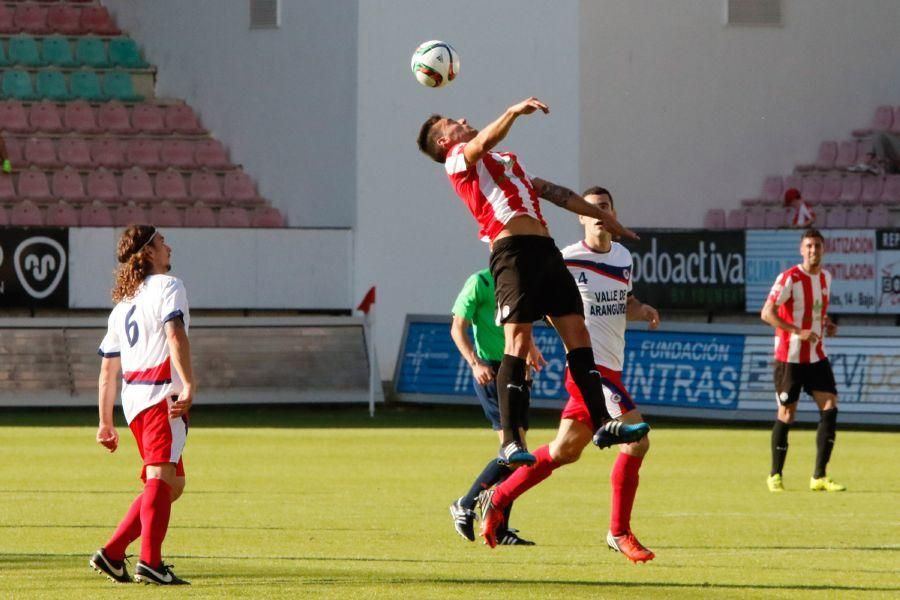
column 704, row 265
column 40, row 264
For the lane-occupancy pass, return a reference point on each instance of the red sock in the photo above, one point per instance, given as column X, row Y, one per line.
column 156, row 505
column 624, row 479
column 524, row 478
column 129, row 529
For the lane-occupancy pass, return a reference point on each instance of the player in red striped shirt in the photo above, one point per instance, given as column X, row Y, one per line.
column 796, row 308
column 532, row 281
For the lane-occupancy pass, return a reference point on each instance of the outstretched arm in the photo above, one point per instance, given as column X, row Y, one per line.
column 565, row 198
column 494, row 133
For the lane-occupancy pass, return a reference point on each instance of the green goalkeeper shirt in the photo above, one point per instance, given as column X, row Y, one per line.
column 477, row 305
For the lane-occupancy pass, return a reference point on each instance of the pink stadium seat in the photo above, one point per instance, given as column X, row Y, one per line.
column 879, row 217
column 102, row 185
column 756, row 217
column 45, row 117
column 7, row 190
column 96, row 19
column 75, row 152
column 178, row 153
column 851, row 189
column 41, row 152
column 180, row 118
column 149, row 118
column 776, row 217
column 163, row 214
column 239, row 189
column 129, row 214
column 96, row 215
column 737, row 219
column 199, row 215
column 15, row 150
column 831, row 190
column 79, row 116
column 267, row 216
column 13, row 117
column 714, row 219
column 847, row 154
column 113, row 117
column 872, row 189
column 4, row 216
column 891, row 193
column 31, row 18
column 772, row 190
column 65, row 18
column 211, row 154
column 793, row 181
column 33, row 184
column 837, row 218
column 108, row 152
column 882, row 121
column 62, row 214
column 27, row 214
column 67, row 185
column 812, row 188
column 234, row 216
column 857, row 217
column 7, row 20
column 144, row 153
column 136, row 185
column 170, row 186
column 827, row 155
column 204, row 186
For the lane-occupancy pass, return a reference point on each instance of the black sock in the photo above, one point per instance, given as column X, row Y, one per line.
column 587, row 378
column 492, row 474
column 825, row 435
column 512, row 393
column 779, row 445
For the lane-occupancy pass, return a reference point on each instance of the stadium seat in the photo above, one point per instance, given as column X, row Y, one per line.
column 128, row 214
column 41, row 152
column 204, row 186
column 737, row 219
column 772, row 190
column 170, row 186
column 831, row 190
column 239, row 188
column 199, row 215
column 123, row 52
column 266, row 216
column 837, row 218
column 79, row 116
column 776, row 217
column 7, row 189
column 827, row 155
column 102, row 185
column 136, row 185
column 108, row 152
column 7, row 20
column 891, row 192
column 792, row 181
column 45, row 117
column 16, row 84
column 847, row 154
column 62, row 214
column 163, row 214
column 211, row 154
column 879, row 217
column 882, row 121
column 57, row 51
column 51, row 84
column 144, row 153
column 4, row 59
column 149, row 118
column 66, row 19
column 118, row 85
column 26, row 214
column 31, row 18
column 857, row 217
column 812, row 188
column 756, row 217
column 180, row 118
column 114, row 117
column 15, row 151
column 851, row 189
column 75, row 152
column 96, row 19
column 33, row 184
column 86, row 85
column 872, row 189
column 234, row 216
column 14, row 118
column 67, row 185
column 714, row 219
column 24, row 51
column 90, row 51
column 4, row 217
column 96, row 214
column 178, row 153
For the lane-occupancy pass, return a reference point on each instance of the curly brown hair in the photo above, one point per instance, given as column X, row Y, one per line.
column 134, row 264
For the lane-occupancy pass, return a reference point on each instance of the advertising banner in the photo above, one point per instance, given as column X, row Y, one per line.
column 34, row 267
column 887, row 245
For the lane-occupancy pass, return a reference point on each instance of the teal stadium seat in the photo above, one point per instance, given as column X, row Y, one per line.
column 17, row 84
column 23, row 50
column 4, row 59
column 57, row 51
column 90, row 51
column 86, row 85
column 124, row 52
column 51, row 84
column 119, row 86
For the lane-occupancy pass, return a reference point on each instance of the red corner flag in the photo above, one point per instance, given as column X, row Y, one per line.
column 367, row 301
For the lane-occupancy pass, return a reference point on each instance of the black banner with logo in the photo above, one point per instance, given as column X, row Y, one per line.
column 689, row 269
column 34, row 266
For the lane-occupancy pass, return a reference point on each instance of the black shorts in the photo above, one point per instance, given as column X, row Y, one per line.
column 790, row 378
column 532, row 280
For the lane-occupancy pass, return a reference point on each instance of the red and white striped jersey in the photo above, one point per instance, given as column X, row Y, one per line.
column 136, row 332
column 495, row 189
column 803, row 215
column 802, row 301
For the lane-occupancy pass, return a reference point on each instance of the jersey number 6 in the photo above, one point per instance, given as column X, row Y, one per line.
column 131, row 328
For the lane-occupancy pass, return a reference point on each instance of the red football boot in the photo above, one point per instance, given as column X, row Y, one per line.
column 492, row 518
column 629, row 546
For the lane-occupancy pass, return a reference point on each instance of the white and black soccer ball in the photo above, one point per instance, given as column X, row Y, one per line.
column 435, row 64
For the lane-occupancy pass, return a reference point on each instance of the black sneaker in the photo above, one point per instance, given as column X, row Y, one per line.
column 616, row 432
column 514, row 454
column 510, row 538
column 463, row 520
column 161, row 575
column 114, row 569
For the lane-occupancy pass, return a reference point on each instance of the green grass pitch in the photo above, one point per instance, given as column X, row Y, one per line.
column 291, row 503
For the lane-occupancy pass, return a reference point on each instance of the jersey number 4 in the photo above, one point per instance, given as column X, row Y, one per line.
column 131, row 328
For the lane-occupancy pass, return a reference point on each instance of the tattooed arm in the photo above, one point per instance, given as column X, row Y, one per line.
column 565, row 198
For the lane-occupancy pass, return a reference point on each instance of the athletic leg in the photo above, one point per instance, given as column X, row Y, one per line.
column 512, row 392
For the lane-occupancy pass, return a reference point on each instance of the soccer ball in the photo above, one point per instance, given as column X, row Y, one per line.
column 435, row 63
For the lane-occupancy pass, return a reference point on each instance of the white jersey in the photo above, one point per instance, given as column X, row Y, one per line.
column 136, row 332
column 604, row 280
